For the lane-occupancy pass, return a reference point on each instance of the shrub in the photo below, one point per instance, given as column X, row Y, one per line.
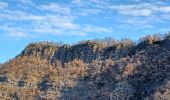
column 151, row 39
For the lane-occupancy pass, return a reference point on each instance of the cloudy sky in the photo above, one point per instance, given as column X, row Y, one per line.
column 25, row 21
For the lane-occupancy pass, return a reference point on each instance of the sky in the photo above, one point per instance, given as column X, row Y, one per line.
column 26, row 21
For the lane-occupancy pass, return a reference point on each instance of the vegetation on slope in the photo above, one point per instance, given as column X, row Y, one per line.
column 96, row 69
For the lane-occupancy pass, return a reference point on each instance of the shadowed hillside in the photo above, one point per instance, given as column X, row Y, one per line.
column 105, row 69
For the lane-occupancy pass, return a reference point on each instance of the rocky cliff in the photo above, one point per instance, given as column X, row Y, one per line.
column 86, row 51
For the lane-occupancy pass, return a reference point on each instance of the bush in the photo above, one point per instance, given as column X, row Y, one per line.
column 151, row 39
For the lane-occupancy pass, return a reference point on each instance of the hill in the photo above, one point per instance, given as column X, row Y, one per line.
column 96, row 69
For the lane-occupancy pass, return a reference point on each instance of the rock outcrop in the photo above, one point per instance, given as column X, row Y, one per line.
column 87, row 51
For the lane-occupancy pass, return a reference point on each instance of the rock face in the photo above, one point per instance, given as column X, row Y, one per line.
column 40, row 50
column 88, row 70
column 86, row 52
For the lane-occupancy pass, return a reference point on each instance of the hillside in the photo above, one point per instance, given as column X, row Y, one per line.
column 96, row 70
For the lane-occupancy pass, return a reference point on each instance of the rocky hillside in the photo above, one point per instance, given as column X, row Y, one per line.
column 86, row 51
column 94, row 70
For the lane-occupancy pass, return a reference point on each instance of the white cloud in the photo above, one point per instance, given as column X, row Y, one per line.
column 63, row 19
column 48, row 24
column 53, row 20
column 143, row 9
column 142, row 15
column 26, row 1
column 96, row 29
column 139, row 12
column 19, row 15
column 54, row 7
column 3, row 5
column 15, row 32
column 87, row 12
column 165, row 9
column 140, row 23
column 77, row 1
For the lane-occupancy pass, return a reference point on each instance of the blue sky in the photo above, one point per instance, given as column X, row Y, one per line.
column 25, row 21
